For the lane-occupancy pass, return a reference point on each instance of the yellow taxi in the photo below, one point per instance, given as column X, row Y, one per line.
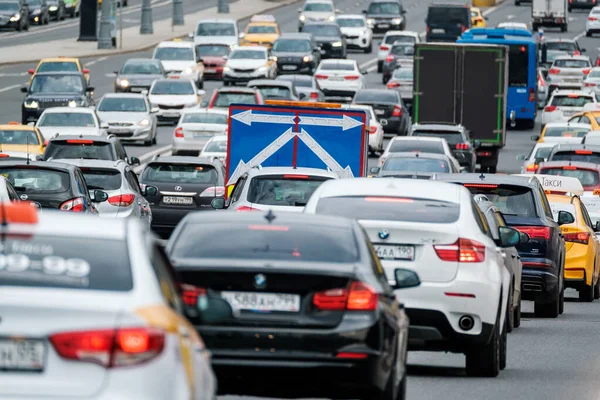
column 261, row 31
column 477, row 18
column 60, row 64
column 589, row 115
column 559, row 132
column 18, row 140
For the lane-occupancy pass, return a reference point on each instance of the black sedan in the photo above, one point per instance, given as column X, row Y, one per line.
column 329, row 38
column 297, row 53
column 389, row 109
column 38, row 12
column 385, row 15
column 310, row 301
column 138, row 74
column 14, row 15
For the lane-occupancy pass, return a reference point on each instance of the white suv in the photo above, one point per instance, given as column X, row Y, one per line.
column 438, row 231
column 564, row 103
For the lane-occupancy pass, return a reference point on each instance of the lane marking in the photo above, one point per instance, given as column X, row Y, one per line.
column 582, row 34
column 11, row 87
column 95, row 61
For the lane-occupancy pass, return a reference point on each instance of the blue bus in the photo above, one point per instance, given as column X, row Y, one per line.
column 521, row 103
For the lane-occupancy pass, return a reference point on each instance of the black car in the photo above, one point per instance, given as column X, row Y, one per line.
column 57, row 9
column 575, row 152
column 138, row 74
column 458, row 139
column 385, row 15
column 275, row 89
column 525, row 207
column 388, row 107
column 38, row 12
column 87, row 147
column 183, row 184
column 54, row 89
column 52, row 185
column 14, row 15
column 582, row 4
column 307, row 87
column 447, row 22
column 415, row 165
column 328, row 37
column 310, row 297
column 297, row 53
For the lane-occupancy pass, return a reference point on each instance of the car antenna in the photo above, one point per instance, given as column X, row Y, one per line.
column 270, row 216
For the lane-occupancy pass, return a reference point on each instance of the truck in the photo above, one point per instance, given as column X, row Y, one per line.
column 294, row 134
column 464, row 84
column 552, row 13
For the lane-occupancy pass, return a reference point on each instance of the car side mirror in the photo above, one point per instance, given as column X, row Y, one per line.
column 225, row 57
column 364, row 71
column 201, row 92
column 535, row 138
column 134, row 161
column 31, row 71
column 403, row 12
column 524, row 238
column 149, row 191
column 104, row 125
column 477, row 144
column 116, row 72
column 564, row 218
column 486, row 18
column 218, row 203
column 98, row 196
column 210, row 309
column 583, row 50
column 241, row 35
column 299, row 10
column 521, row 157
column 337, row 11
column 374, row 170
column 191, row 35
column 39, row 157
column 509, row 237
column 364, row 12
column 597, row 226
column 406, row 278
column 154, row 110
column 24, row 89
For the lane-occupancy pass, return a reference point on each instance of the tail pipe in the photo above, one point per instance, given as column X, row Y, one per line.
column 466, row 322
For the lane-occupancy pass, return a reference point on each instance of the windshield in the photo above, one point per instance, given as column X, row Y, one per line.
column 18, row 137
column 226, row 99
column 215, row 29
column 92, row 151
column 403, row 50
column 573, row 100
column 58, row 66
column 587, row 177
column 282, row 190
column 248, row 55
column 83, row 120
column 292, row 46
column 321, row 30
column 453, row 138
column 318, row 7
column 102, row 179
column 181, row 173
column 174, row 54
column 376, row 96
column 37, row 180
column 204, row 118
column 400, row 38
column 384, row 8
column 173, row 87
column 56, row 84
column 448, row 15
column 414, row 164
column 565, row 131
column 401, row 146
column 275, row 92
column 212, row 50
column 403, row 74
column 565, row 47
column 122, row 104
column 261, row 29
column 511, row 200
column 141, row 68
column 216, row 146
column 576, row 155
column 594, row 73
column 351, row 22
column 571, row 63
column 10, row 7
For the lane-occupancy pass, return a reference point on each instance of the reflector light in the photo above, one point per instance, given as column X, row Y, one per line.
column 468, row 295
column 292, row 176
column 577, row 237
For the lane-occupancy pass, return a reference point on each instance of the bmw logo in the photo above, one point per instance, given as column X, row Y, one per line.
column 260, row 281
column 384, row 234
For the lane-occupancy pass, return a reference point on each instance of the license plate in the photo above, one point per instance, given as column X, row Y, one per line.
column 174, row 76
column 383, row 26
column 379, row 112
column 210, row 71
column 336, row 79
column 572, row 80
column 265, row 302
column 438, row 31
column 118, row 130
column 137, row 89
column 202, row 134
column 323, row 52
column 171, row 114
column 184, row 201
column 395, row 252
column 22, row 355
column 568, row 113
column 288, row 67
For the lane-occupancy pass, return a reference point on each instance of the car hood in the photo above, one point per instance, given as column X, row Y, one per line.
column 177, row 65
column 213, row 60
column 352, row 31
column 383, row 16
column 6, row 14
column 54, row 97
column 322, row 39
column 111, row 116
column 49, row 131
column 245, row 64
column 141, row 78
column 317, row 15
column 169, row 99
column 228, row 40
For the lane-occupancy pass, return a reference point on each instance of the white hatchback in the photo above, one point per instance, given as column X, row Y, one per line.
column 538, row 154
column 389, row 39
column 564, row 103
column 70, row 121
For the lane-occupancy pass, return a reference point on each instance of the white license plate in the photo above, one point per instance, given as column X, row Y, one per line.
column 288, row 67
column 24, row 355
column 395, row 252
column 379, row 112
column 438, row 31
column 383, row 26
column 572, row 80
column 118, row 130
column 184, row 201
column 265, row 302
column 568, row 113
column 335, row 78
column 202, row 134
column 171, row 114
column 137, row 89
column 210, row 71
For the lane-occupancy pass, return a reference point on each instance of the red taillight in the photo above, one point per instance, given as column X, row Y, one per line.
column 392, row 85
column 554, row 71
column 536, row 264
column 550, row 108
column 314, row 95
column 384, row 47
column 577, row 237
column 397, row 111
column 585, row 152
column 319, row 76
column 110, row 347
column 589, row 84
column 531, row 168
column 389, row 58
column 535, row 232
column 179, row 132
column 355, row 356
column 213, row 191
column 463, row 28
column 531, row 94
column 351, row 77
column 122, row 200
column 463, row 250
column 75, row 204
column 245, row 208
column 570, row 167
column 372, row 130
column 190, row 294
column 360, row 297
column 481, row 185
column 462, row 146
column 586, row 71
column 80, row 141
column 592, row 19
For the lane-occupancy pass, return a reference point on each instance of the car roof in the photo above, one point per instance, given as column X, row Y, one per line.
column 291, row 171
column 318, row 1
column 59, row 73
column 551, row 39
column 402, row 33
column 497, row 179
column 580, row 164
column 174, row 80
column 577, row 146
column 95, row 138
column 295, row 35
column 384, row 1
column 51, row 59
column 218, row 138
column 42, row 164
column 414, row 154
column 338, row 61
column 449, row 5
column 562, row 124
column 141, row 59
column 185, row 160
column 439, row 127
column 567, row 92
column 270, row 82
column 296, row 77
column 417, row 139
column 19, row 127
column 75, row 110
column 118, row 164
column 126, row 95
column 325, row 23
column 206, row 111
column 566, row 57
column 224, row 89
column 176, row 44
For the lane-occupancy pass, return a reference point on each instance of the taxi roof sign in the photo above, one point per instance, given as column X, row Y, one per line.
column 558, row 184
column 291, row 103
column 263, row 18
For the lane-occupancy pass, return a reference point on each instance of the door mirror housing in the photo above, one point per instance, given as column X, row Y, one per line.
column 24, row 89
column 509, row 237
column 191, row 35
column 583, row 50
column 154, row 110
column 218, row 203
column 241, row 35
column 204, row 103
column 364, row 71
column 134, row 161
column 149, row 191
column 597, row 226
column 476, row 144
column 521, row 157
column 89, row 89
column 406, row 278
column 104, row 125
column 564, row 218
column 98, row 196
column 535, row 138
column 201, row 92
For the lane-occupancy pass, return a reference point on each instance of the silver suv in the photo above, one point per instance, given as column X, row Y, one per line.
column 316, row 11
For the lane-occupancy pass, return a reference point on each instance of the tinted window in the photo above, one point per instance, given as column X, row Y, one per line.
column 595, row 73
column 267, row 242
column 225, row 99
column 292, row 46
column 282, row 191
column 569, row 155
column 565, row 131
column 275, row 92
column 103, row 179
column 321, row 30
column 67, row 119
column 518, row 65
column 37, row 180
column 510, row 200
column 403, row 74
column 448, row 15
column 18, row 137
column 248, row 54
column 9, row 7
column 326, row 66
column 384, row 8
column 318, row 7
column 65, row 262
column 390, row 209
column 376, row 96
column 204, row 118
column 141, row 68
column 173, row 87
column 350, row 22
column 399, row 146
column 299, row 82
column 58, row 66
column 453, row 138
column 586, row 177
column 215, row 29
column 403, row 50
column 400, row 38
column 568, row 47
column 216, row 146
column 214, row 50
column 92, row 151
column 181, row 173
column 122, row 104
column 571, row 63
column 416, row 165
column 262, row 29
column 174, row 54
column 571, row 101
column 56, row 84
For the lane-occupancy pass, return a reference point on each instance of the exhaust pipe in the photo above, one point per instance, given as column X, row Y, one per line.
column 532, row 288
column 466, row 322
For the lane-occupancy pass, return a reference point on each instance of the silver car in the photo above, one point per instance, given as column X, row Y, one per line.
column 402, row 81
column 316, row 10
column 196, row 127
column 592, row 81
column 568, row 72
column 129, row 117
column 216, row 147
column 118, row 180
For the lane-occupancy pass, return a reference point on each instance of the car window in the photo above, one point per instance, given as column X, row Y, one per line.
column 237, row 190
column 12, row 194
column 453, row 138
column 334, row 66
column 391, row 8
column 181, row 173
column 403, row 74
column 248, row 55
column 571, row 63
column 58, row 66
column 275, row 92
column 587, row 177
column 545, row 203
column 173, row 87
column 174, row 54
column 389, row 39
column 447, row 15
column 414, row 164
column 265, row 29
column 90, row 151
column 586, row 216
column 350, row 22
column 141, row 68
column 133, row 181
column 8, row 136
column 292, row 46
column 568, row 47
column 318, row 7
column 403, row 50
column 122, row 104
column 37, row 180
column 102, row 178
column 322, row 30
column 56, row 84
column 400, row 146
column 225, row 99
column 571, row 101
column 510, row 200
column 212, row 50
column 283, row 190
column 565, row 131
column 71, row 119
column 216, row 146
column 480, row 219
column 215, row 29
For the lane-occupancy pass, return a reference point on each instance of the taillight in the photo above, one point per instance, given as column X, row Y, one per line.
column 550, row 108
column 531, row 94
column 577, row 237
column 397, row 111
column 554, row 71
column 589, row 84
column 576, row 53
column 213, row 191
column 372, row 130
column 122, row 200
column 592, row 19
column 319, row 76
column 535, row 232
column 110, row 347
column 179, row 132
column 536, row 264
column 392, row 85
column 351, row 77
column 360, row 297
column 384, row 47
column 245, row 208
column 75, row 204
column 463, row 250
column 463, row 28
column 462, row 146
column 389, row 58
column 531, row 168
column 190, row 294
column 314, row 95
column 586, row 71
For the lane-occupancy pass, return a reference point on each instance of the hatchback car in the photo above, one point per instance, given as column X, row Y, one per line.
column 196, row 127
column 87, row 147
column 339, row 79
column 138, row 74
column 275, row 89
column 568, row 72
column 401, row 55
column 171, row 96
column 307, row 87
column 447, row 22
column 564, row 103
column 223, row 97
column 391, row 112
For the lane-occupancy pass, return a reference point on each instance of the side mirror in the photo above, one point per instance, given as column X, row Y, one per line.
column 477, row 144
column 134, row 161
column 524, row 238
column 374, row 170
column 116, row 72
column 597, row 226
column 299, row 10
column 535, row 138
column 403, row 11
column 337, row 11
column 364, row 11
column 225, row 57
column 406, row 278
column 218, row 203
column 486, row 18
column 211, row 309
column 241, row 35
column 564, row 218
column 149, row 191
column 24, row 89
column 86, row 71
column 583, row 50
column 98, row 196
column 191, row 35
column 509, row 237
column 89, row 89
column 154, row 110
column 521, row 157
column 364, row 71
column 104, row 125
column 31, row 124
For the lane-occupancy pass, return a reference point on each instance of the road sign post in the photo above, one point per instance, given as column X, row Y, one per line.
column 106, row 25
column 146, row 24
column 88, row 21
column 178, row 12
column 223, row 7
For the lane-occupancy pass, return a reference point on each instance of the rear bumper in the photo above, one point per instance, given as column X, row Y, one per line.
column 579, row 266
column 552, row 21
column 442, row 38
column 164, row 220
column 539, row 284
column 391, row 125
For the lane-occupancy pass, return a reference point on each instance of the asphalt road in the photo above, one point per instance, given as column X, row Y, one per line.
column 547, row 359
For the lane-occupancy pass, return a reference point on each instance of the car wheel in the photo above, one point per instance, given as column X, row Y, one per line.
column 503, row 345
column 588, row 33
column 154, row 138
column 484, row 360
column 564, row 28
column 510, row 316
column 517, row 314
column 19, row 27
column 586, row 293
column 390, row 392
column 561, row 301
column 27, row 25
column 380, row 66
column 47, row 20
column 369, row 48
column 597, row 289
column 548, row 310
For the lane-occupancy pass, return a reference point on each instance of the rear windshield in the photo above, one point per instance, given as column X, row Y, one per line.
column 403, row 50
column 571, row 63
column 282, row 190
column 8, row 136
column 91, row 151
column 204, row 118
column 376, row 96
column 543, row 152
column 400, row 146
column 215, row 29
column 226, row 99
column 414, row 164
column 448, row 15
column 299, row 242
column 403, row 73
column 587, row 177
column 518, row 65
column 37, row 180
column 565, row 131
column 50, row 261
column 103, row 179
column 181, row 173
column 453, row 138
column 400, row 38
column 568, row 47
column 510, row 200
column 573, row 101
column 275, row 92
column 390, row 209
column 337, row 66
column 216, row 146
column 575, row 155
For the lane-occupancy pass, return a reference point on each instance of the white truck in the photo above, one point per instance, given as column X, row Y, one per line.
column 552, row 13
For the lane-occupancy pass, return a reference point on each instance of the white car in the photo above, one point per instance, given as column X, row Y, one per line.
column 435, row 229
column 70, row 121
column 389, row 39
column 172, row 96
column 216, row 147
column 564, row 103
column 129, row 117
column 248, row 63
column 358, row 34
column 592, row 24
column 592, row 81
column 568, row 72
column 196, row 127
column 376, row 134
column 216, row 31
column 180, row 61
column 403, row 144
column 538, row 154
column 339, row 78
column 316, row 11
column 592, row 137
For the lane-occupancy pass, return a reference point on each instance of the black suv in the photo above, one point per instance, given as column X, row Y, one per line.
column 385, row 15
column 14, row 14
column 87, row 147
column 177, row 185
column 525, row 207
column 52, row 185
column 297, row 53
column 457, row 137
column 447, row 22
column 329, row 38
column 54, row 89
column 575, row 152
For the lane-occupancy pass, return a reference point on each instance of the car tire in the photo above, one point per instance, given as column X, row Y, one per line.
column 510, row 315
column 588, row 33
column 564, row 28
column 597, row 289
column 517, row 3
column 26, row 25
column 517, row 314
column 19, row 27
column 586, row 294
column 380, row 66
column 148, row 142
column 504, row 345
column 369, row 48
column 47, row 21
column 548, row 310
column 484, row 360
column 561, row 301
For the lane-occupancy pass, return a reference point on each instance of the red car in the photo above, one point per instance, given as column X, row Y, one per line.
column 213, row 56
column 587, row 173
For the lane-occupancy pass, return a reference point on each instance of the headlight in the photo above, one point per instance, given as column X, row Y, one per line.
column 397, row 21
column 144, row 122
column 31, row 104
column 302, row 18
column 15, row 18
column 187, row 71
column 307, row 58
column 332, row 18
column 262, row 69
column 370, row 21
column 123, row 82
column 363, row 33
column 72, row 103
column 52, row 8
column 226, row 69
column 336, row 44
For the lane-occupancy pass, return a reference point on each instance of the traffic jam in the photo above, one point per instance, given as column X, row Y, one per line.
column 265, row 250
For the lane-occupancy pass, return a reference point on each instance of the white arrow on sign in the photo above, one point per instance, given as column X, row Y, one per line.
column 325, row 156
column 345, row 122
column 246, row 117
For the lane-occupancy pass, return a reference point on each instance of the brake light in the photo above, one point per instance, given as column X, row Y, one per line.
column 31, row 71
column 392, row 85
column 384, row 47
column 554, row 71
column 397, row 111
column 463, row 28
column 531, row 95
column 536, row 264
column 531, row 168
column 535, row 232
column 314, row 95
column 75, row 204
column 319, row 76
column 570, row 167
column 110, row 347
column 589, row 84
column 586, row 152
column 577, row 237
column 550, row 108
column 122, row 200
column 586, row 71
column 573, row 96
column 213, row 191
column 372, row 130
column 355, row 356
column 463, row 250
column 80, row 141
column 190, row 294
column 389, row 58
column 462, row 146
column 592, row 19
column 481, row 185
column 179, row 132
column 245, row 208
column 351, row 77
column 292, row 176
column 360, row 297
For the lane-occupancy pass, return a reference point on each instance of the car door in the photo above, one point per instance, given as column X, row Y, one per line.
column 84, row 192
column 142, row 205
column 236, row 193
column 590, row 228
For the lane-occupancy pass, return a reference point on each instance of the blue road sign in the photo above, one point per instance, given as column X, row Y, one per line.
column 274, row 136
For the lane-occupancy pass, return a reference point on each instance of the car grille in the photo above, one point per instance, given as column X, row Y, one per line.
column 139, row 83
column 243, row 70
column 211, row 65
column 47, row 103
column 165, row 107
column 174, row 72
column 325, row 45
column 352, row 36
column 291, row 60
column 120, row 124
